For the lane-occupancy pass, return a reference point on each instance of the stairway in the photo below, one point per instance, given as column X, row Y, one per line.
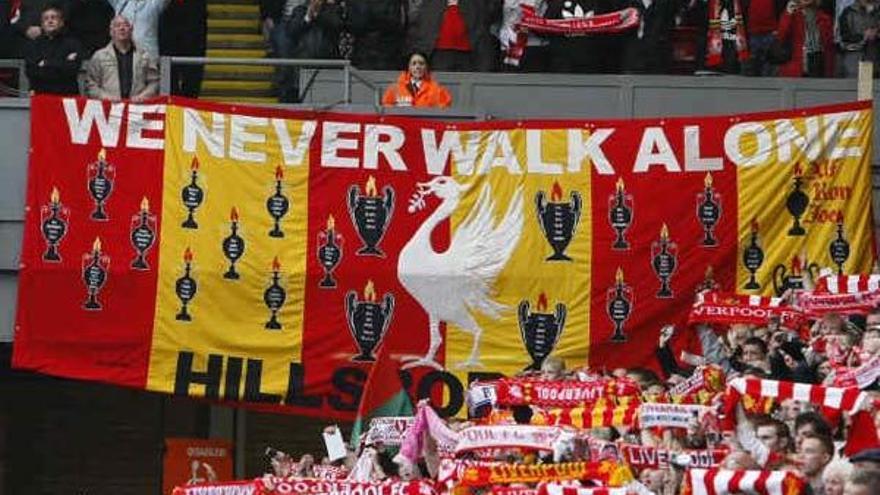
column 234, row 31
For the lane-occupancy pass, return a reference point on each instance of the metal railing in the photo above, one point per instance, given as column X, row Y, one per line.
column 348, row 71
column 23, row 86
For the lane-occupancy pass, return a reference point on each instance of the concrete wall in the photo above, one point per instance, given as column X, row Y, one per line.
column 476, row 96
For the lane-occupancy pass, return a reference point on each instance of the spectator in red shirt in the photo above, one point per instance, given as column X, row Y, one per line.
column 809, row 32
column 762, row 19
column 455, row 34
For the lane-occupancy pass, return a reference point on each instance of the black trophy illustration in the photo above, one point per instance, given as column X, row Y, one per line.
column 95, row 266
column 274, row 296
column 277, row 204
column 233, row 246
column 143, row 234
column 796, row 203
column 54, row 218
column 186, row 287
column 709, row 211
column 368, row 320
column 101, row 175
column 753, row 258
column 620, row 304
column 783, row 279
column 839, row 248
column 664, row 262
column 329, row 253
column 371, row 215
column 620, row 215
column 192, row 196
column 558, row 220
column 709, row 283
column 540, row 331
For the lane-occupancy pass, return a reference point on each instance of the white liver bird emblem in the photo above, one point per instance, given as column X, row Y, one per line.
column 454, row 285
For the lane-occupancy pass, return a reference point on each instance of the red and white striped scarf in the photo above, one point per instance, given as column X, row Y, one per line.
column 849, row 399
column 717, row 481
column 557, row 489
column 847, row 284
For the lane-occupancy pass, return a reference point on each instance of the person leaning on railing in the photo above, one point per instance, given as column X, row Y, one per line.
column 416, row 88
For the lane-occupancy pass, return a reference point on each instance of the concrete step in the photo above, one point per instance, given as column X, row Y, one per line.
column 242, row 87
column 233, row 26
column 233, row 11
column 263, row 71
column 256, row 100
column 235, row 44
column 222, row 53
column 237, row 76
column 232, row 2
column 236, row 95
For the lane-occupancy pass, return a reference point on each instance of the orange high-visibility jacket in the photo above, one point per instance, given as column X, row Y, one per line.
column 430, row 94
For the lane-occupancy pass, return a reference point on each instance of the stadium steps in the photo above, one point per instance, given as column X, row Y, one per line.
column 234, row 31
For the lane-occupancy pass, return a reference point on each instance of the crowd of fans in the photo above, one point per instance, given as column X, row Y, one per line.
column 800, row 38
column 831, row 453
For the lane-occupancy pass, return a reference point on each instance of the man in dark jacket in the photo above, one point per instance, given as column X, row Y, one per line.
column 53, row 58
column 379, row 29
column 314, row 30
column 89, row 22
column 648, row 49
column 183, row 30
column 594, row 54
column 455, row 34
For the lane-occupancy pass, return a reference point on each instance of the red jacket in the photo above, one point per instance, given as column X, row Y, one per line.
column 430, row 93
column 791, row 28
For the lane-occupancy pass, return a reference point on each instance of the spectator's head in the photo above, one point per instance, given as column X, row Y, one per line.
column 810, row 424
column 417, row 65
column 553, row 368
column 754, row 351
column 871, row 339
column 120, row 29
column 643, row 376
column 868, row 459
column 522, row 415
column 52, row 19
column 653, row 479
column 835, row 475
column 873, row 319
column 815, row 453
column 774, row 434
column 830, row 323
column 738, row 334
column 863, row 483
column 408, row 472
column 790, row 409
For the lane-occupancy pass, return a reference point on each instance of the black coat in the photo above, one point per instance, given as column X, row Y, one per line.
column 318, row 38
column 57, row 74
column 478, row 15
column 648, row 48
column 183, row 28
column 584, row 54
column 89, row 23
column 271, row 9
column 379, row 30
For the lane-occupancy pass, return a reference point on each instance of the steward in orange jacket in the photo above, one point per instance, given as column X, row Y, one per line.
column 416, row 88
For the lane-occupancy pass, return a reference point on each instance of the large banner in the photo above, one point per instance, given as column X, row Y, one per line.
column 268, row 256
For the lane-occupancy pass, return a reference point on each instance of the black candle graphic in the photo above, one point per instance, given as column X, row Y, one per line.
column 620, row 304
column 558, row 220
column 143, row 234
column 664, row 262
column 620, row 215
column 796, row 203
column 329, row 253
column 709, row 211
column 186, row 287
column 54, row 220
column 233, row 246
column 192, row 196
column 839, row 248
column 274, row 296
column 368, row 320
column 277, row 204
column 94, row 272
column 753, row 258
column 540, row 330
column 100, row 184
column 371, row 215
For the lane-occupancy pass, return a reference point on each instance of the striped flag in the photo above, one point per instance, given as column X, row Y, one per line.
column 717, row 481
column 848, row 399
column 848, row 284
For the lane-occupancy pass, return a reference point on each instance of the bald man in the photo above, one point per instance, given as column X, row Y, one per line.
column 121, row 70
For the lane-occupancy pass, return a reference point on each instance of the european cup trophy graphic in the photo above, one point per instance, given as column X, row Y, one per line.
column 186, row 287
column 620, row 215
column 143, row 234
column 540, row 331
column 371, row 215
column 95, row 266
column 558, row 220
column 368, row 320
column 753, row 258
column 796, row 203
column 274, row 296
column 709, row 211
column 192, row 196
column 277, row 204
column 54, row 219
column 839, row 248
column 233, row 246
column 620, row 304
column 100, row 185
column 664, row 262
column 785, row 278
column 329, row 253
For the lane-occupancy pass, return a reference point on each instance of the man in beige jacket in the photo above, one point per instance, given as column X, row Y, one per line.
column 121, row 70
